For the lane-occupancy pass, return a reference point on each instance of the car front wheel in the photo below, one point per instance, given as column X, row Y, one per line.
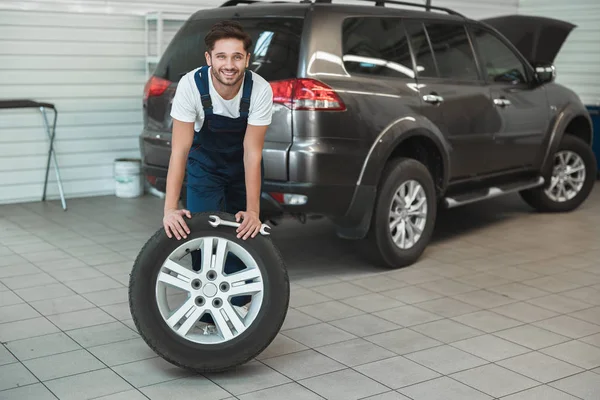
column 571, row 181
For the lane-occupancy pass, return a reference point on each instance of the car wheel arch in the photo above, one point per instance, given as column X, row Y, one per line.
column 580, row 126
column 572, row 119
column 357, row 219
column 400, row 142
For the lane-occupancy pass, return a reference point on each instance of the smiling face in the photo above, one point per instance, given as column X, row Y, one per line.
column 228, row 60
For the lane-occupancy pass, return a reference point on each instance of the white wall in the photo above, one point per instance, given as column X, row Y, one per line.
column 89, row 61
column 578, row 63
column 87, row 57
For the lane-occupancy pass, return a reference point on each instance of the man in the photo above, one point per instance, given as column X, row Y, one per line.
column 220, row 113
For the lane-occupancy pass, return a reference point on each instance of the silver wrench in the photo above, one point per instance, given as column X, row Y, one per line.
column 216, row 221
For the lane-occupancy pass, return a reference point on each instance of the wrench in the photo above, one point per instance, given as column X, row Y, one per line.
column 216, row 221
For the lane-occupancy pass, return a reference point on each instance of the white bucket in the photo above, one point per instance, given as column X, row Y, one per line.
column 128, row 178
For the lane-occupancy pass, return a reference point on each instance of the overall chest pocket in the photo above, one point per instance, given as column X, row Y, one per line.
column 226, row 125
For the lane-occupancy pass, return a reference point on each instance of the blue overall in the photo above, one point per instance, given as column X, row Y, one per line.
column 215, row 166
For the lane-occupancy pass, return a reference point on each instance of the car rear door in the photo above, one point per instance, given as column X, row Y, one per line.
column 454, row 96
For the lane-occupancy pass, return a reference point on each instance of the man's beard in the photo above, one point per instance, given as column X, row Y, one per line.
column 217, row 76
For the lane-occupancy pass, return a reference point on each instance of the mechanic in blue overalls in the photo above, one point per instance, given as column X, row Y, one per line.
column 220, row 113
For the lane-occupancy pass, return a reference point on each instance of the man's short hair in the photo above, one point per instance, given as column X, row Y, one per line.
column 227, row 30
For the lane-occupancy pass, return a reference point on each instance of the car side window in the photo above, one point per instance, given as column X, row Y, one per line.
column 376, row 46
column 452, row 51
column 425, row 63
column 499, row 61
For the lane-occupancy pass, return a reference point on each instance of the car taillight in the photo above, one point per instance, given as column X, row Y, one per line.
column 289, row 198
column 306, row 94
column 155, row 87
column 151, row 179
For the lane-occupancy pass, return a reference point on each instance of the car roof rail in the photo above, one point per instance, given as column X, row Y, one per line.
column 378, row 3
column 382, row 3
column 231, row 3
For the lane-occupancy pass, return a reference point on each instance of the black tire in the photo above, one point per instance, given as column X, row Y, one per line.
column 199, row 357
column 537, row 197
column 379, row 241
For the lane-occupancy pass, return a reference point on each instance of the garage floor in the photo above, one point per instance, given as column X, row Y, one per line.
column 504, row 304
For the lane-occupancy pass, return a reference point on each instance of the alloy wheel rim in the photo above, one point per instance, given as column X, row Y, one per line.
column 208, row 291
column 568, row 177
column 408, row 214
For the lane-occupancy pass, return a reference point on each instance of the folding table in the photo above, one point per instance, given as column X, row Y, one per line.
column 51, row 131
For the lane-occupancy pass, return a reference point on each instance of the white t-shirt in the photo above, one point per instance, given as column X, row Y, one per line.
column 187, row 106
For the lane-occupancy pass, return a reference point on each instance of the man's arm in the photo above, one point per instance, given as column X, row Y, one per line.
column 173, row 222
column 184, row 114
column 253, row 147
column 181, row 141
column 259, row 119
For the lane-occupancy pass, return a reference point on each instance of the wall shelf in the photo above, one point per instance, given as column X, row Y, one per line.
column 157, row 20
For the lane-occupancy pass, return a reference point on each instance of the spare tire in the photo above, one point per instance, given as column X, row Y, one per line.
column 191, row 318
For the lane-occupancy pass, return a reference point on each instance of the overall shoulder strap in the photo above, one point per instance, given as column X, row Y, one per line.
column 201, row 77
column 246, row 93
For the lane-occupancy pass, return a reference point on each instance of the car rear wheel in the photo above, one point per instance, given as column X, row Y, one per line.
column 404, row 215
column 571, row 180
column 188, row 309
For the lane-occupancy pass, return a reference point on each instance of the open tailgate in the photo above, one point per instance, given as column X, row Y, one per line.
column 539, row 39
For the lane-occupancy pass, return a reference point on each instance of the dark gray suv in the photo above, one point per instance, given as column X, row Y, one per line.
column 385, row 111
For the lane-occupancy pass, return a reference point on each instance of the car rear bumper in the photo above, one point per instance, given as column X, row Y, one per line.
column 321, row 180
column 283, row 197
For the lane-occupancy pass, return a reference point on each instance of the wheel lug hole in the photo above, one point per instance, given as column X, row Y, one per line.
column 196, row 284
column 211, row 275
column 224, row 287
column 217, row 303
column 200, row 301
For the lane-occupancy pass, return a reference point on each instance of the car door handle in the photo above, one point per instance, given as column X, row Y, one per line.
column 502, row 102
column 433, row 98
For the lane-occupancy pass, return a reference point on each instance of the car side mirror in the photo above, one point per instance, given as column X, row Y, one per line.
column 544, row 72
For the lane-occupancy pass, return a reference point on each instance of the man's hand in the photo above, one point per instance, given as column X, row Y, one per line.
column 174, row 223
column 250, row 225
